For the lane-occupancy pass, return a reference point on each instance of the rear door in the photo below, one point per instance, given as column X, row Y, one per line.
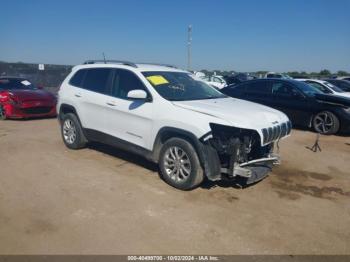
column 129, row 119
column 91, row 98
column 234, row 91
column 255, row 91
column 259, row 92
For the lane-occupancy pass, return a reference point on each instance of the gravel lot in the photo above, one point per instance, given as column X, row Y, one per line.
column 103, row 201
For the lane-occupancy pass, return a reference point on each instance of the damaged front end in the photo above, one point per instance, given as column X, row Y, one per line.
column 240, row 153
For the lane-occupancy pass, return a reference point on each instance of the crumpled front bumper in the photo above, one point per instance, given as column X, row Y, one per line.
column 255, row 170
column 251, row 171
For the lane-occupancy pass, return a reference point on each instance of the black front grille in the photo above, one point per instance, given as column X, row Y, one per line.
column 37, row 110
column 273, row 133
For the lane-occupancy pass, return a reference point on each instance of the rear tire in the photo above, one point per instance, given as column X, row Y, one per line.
column 72, row 132
column 326, row 123
column 179, row 164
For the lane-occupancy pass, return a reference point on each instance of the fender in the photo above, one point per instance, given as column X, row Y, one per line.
column 208, row 156
column 65, row 108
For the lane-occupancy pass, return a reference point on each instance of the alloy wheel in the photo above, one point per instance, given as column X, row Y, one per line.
column 177, row 164
column 69, row 131
column 323, row 122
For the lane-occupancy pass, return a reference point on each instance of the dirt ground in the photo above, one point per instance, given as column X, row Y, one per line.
column 103, row 201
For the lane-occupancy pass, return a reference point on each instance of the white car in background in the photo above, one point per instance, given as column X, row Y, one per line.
column 218, row 81
column 326, row 87
column 277, row 75
column 347, row 78
column 215, row 81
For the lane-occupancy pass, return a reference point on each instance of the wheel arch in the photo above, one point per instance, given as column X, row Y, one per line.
column 65, row 109
column 206, row 153
column 165, row 133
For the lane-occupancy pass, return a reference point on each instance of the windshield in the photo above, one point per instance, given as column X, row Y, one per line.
column 333, row 87
column 15, row 83
column 179, row 86
column 307, row 89
column 341, row 84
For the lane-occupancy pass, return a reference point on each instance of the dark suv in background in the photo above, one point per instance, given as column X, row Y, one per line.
column 305, row 105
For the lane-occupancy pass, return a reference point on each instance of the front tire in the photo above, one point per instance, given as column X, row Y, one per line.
column 72, row 132
column 2, row 113
column 179, row 164
column 326, row 123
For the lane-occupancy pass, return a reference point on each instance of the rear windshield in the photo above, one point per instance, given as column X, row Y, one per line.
column 8, row 84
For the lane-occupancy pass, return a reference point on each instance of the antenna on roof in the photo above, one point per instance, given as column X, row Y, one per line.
column 104, row 57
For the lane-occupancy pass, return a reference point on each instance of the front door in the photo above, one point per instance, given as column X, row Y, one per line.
column 292, row 102
column 128, row 119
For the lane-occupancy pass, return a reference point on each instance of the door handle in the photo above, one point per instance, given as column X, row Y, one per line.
column 111, row 103
column 77, row 95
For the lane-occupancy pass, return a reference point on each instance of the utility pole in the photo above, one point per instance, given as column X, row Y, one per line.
column 189, row 47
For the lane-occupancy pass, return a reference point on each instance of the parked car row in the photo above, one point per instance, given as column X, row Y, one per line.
column 191, row 128
column 307, row 105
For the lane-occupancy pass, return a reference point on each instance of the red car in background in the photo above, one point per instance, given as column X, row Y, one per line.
column 19, row 98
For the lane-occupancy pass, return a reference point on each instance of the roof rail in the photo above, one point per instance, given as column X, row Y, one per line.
column 89, row 62
column 158, row 64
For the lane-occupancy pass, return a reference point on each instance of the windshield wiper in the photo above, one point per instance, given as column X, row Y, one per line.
column 215, row 97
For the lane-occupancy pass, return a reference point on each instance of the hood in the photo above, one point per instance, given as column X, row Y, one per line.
column 346, row 94
column 28, row 94
column 333, row 99
column 236, row 112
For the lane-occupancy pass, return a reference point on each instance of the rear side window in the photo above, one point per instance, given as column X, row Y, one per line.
column 233, row 89
column 97, row 80
column 262, row 87
column 124, row 81
column 77, row 79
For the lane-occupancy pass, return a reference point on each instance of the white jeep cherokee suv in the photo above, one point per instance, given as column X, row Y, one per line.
column 166, row 115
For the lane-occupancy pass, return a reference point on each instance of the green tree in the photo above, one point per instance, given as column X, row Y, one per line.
column 342, row 73
column 325, row 72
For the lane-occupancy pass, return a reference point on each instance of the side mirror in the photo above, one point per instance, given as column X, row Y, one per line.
column 137, row 94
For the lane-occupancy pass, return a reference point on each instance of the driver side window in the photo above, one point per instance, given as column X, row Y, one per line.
column 319, row 87
column 125, row 81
